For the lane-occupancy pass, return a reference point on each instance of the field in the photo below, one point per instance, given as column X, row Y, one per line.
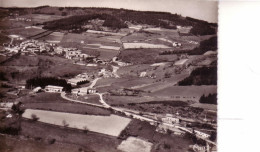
column 87, row 141
column 110, row 125
column 40, row 18
column 21, row 144
column 132, row 144
column 25, row 32
column 106, row 54
column 54, row 37
column 54, row 102
column 185, row 92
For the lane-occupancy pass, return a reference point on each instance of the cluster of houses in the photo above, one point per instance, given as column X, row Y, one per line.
column 168, row 120
column 29, row 46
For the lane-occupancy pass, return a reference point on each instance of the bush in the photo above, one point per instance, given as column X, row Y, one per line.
column 51, row 141
column 201, row 76
column 34, row 117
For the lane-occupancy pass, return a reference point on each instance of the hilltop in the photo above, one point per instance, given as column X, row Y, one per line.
column 113, row 19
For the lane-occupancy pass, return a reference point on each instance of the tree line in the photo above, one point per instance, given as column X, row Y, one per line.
column 201, row 76
column 76, row 22
column 44, row 81
column 210, row 99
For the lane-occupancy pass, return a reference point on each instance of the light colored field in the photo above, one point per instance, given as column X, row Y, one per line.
column 106, row 33
column 143, row 45
column 132, row 144
column 109, row 125
column 158, row 64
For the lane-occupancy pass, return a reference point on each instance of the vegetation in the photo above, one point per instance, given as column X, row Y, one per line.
column 83, row 82
column 201, row 76
column 34, row 117
column 210, row 44
column 210, row 99
column 76, row 22
column 44, row 81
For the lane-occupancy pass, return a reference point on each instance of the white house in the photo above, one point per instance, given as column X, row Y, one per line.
column 51, row 88
column 170, row 119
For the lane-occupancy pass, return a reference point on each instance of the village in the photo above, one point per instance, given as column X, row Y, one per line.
column 131, row 77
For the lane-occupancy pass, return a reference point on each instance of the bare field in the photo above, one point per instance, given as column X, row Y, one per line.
column 109, row 125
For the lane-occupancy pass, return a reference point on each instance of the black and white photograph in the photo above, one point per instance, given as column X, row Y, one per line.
column 108, row 76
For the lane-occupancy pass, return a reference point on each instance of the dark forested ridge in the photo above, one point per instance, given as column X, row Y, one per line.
column 201, row 76
column 116, row 18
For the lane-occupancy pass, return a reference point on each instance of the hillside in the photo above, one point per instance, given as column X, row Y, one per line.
column 115, row 18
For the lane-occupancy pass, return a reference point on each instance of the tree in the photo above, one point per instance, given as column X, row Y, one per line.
column 34, row 117
column 64, row 123
column 85, row 129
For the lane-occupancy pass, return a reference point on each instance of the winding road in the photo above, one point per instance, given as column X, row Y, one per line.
column 135, row 116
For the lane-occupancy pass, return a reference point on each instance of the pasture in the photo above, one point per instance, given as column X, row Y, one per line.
column 87, row 141
column 25, row 32
column 110, row 125
column 185, row 92
column 54, row 37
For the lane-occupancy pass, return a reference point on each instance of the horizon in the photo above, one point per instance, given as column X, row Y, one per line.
column 198, row 9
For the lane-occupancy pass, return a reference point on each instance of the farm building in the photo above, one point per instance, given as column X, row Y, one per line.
column 170, row 119
column 163, row 129
column 83, row 91
column 51, row 88
column 75, row 81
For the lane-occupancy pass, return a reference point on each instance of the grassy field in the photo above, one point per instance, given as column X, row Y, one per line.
column 186, row 91
column 141, row 56
column 89, row 141
column 53, row 37
column 106, row 54
column 110, row 125
column 21, row 144
column 54, row 102
column 91, row 98
column 25, row 32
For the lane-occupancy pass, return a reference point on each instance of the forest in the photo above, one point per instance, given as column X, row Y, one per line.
column 201, row 76
column 210, row 99
column 44, row 81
